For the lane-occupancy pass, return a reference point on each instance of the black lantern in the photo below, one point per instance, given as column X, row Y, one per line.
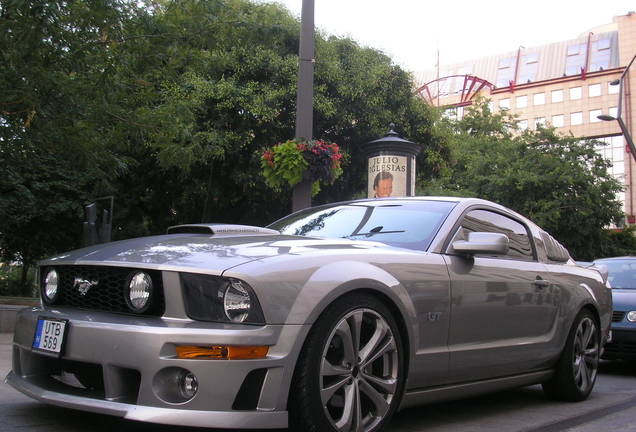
column 391, row 165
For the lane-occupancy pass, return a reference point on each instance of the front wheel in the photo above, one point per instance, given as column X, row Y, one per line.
column 577, row 368
column 349, row 376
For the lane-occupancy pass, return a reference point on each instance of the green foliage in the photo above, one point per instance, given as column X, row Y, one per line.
column 168, row 105
column 616, row 243
column 286, row 164
column 11, row 283
column 560, row 182
column 283, row 164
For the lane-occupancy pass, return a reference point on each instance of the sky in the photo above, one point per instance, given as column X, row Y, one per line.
column 411, row 31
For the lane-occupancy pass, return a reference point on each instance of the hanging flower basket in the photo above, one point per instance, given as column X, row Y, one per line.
column 289, row 162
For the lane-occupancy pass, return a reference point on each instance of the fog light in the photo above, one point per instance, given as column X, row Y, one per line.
column 188, row 385
column 631, row 316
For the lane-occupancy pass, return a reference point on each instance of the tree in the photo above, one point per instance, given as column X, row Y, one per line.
column 55, row 95
column 167, row 105
column 558, row 181
column 221, row 88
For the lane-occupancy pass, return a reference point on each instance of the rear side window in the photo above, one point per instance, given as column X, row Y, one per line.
column 520, row 247
column 554, row 250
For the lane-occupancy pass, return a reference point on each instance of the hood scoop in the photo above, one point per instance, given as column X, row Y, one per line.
column 220, row 229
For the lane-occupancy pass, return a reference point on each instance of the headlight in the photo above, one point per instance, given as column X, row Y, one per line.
column 50, row 286
column 139, row 292
column 213, row 298
column 236, row 302
column 631, row 316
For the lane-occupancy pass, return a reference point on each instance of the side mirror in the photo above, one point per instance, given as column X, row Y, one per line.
column 485, row 243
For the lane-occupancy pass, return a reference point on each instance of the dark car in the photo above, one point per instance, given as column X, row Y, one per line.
column 622, row 278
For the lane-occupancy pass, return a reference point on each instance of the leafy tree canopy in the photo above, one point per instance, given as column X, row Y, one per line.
column 167, row 105
column 558, row 181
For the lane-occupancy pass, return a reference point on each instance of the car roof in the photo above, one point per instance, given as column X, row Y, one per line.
column 462, row 201
column 388, row 200
column 616, row 258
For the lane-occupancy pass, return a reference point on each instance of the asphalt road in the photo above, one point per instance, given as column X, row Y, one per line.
column 611, row 407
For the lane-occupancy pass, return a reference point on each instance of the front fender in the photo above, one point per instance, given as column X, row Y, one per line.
column 337, row 279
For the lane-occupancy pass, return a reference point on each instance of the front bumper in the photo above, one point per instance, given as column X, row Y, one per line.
column 622, row 346
column 118, row 364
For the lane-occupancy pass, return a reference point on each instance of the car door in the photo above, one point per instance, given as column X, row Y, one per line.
column 500, row 304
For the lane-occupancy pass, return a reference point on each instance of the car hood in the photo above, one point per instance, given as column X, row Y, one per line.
column 624, row 298
column 208, row 253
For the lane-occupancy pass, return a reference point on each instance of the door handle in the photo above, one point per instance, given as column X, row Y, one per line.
column 541, row 283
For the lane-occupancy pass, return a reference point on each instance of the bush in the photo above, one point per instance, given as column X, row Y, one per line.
column 10, row 281
column 620, row 242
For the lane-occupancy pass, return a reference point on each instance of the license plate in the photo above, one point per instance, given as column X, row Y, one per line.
column 49, row 335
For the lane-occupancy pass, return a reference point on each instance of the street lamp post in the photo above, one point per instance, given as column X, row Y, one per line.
column 619, row 117
column 301, row 195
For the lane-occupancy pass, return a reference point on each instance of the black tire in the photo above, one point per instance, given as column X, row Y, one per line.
column 361, row 387
column 577, row 367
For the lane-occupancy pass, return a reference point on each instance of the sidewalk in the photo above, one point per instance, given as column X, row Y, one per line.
column 5, row 354
column 9, row 315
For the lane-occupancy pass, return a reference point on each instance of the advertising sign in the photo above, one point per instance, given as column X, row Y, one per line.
column 388, row 176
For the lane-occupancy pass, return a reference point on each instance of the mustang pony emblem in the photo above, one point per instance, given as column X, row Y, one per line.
column 84, row 285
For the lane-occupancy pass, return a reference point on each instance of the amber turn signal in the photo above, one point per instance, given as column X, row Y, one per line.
column 222, row 352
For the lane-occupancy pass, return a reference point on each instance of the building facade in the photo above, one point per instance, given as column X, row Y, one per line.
column 564, row 84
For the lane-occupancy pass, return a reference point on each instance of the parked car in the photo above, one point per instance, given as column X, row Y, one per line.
column 622, row 278
column 329, row 319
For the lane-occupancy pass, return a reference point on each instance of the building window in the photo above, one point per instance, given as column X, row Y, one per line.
column 576, row 93
column 529, row 66
column 506, row 71
column 600, row 55
column 538, row 99
column 539, row 121
column 454, row 113
column 523, row 124
column 557, row 96
column 594, row 90
column 522, row 101
column 612, row 148
column 557, row 120
column 612, row 89
column 504, row 104
column 594, row 115
column 491, row 106
column 576, row 118
column 575, row 61
column 613, row 111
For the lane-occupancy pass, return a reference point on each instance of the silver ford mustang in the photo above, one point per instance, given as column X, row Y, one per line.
column 330, row 319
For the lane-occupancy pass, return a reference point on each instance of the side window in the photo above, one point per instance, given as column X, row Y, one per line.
column 487, row 221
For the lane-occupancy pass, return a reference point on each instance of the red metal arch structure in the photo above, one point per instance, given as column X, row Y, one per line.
column 469, row 86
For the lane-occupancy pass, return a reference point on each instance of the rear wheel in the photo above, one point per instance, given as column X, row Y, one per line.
column 349, row 376
column 577, row 368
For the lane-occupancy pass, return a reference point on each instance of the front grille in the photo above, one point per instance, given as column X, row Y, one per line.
column 617, row 316
column 75, row 378
column 618, row 348
column 109, row 294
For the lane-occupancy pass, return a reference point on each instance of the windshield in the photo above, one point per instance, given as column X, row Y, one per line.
column 622, row 273
column 407, row 224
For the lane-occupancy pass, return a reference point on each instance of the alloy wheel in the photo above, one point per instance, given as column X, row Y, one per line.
column 359, row 371
column 585, row 354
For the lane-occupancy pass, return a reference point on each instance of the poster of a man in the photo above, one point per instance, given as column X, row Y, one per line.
column 383, row 185
column 387, row 176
